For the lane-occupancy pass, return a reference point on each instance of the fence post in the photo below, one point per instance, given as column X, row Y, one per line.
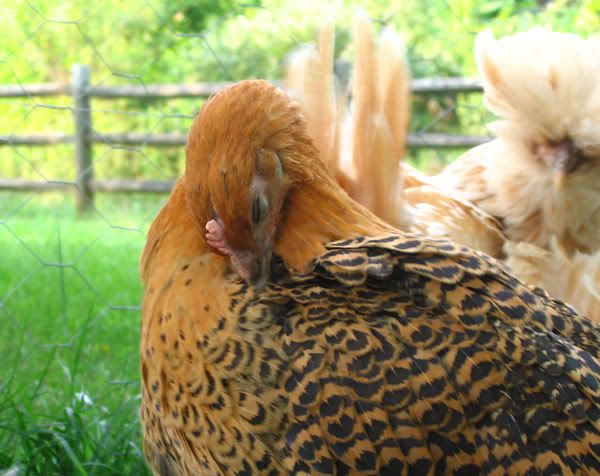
column 82, row 117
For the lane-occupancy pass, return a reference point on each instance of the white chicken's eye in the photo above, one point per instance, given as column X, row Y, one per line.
column 260, row 208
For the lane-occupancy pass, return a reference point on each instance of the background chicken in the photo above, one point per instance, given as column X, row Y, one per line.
column 541, row 175
column 385, row 354
column 374, row 127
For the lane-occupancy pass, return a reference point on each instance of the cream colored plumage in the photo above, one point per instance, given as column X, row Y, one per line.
column 437, row 214
column 311, row 81
column 574, row 279
column 541, row 175
column 377, row 121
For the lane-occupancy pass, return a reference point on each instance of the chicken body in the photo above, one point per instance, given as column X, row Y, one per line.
column 378, row 354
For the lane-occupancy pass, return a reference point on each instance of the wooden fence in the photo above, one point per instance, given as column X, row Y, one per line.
column 82, row 93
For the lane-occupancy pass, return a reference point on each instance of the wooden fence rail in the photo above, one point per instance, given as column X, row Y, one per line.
column 172, row 139
column 82, row 93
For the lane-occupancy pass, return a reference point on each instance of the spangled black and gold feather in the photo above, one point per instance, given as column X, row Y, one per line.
column 394, row 355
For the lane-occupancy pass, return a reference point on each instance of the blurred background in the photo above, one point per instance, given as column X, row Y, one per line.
column 95, row 100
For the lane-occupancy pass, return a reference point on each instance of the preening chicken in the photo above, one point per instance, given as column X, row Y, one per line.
column 286, row 329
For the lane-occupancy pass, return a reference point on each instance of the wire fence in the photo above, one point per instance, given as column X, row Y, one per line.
column 69, row 285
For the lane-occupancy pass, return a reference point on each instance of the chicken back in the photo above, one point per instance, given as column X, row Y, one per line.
column 395, row 355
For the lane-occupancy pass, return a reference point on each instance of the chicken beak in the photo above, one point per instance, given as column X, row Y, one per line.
column 261, row 272
column 253, row 267
column 563, row 160
column 558, row 179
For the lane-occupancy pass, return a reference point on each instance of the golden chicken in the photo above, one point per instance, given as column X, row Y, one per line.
column 287, row 330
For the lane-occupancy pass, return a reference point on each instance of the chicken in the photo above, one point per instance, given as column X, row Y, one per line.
column 541, row 175
column 375, row 136
column 288, row 330
column 369, row 170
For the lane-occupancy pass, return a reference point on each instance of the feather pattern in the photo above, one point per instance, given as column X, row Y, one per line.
column 382, row 353
column 394, row 354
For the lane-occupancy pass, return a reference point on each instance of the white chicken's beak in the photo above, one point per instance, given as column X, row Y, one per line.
column 558, row 179
column 563, row 159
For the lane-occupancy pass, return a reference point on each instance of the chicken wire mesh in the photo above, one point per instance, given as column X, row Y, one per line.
column 69, row 285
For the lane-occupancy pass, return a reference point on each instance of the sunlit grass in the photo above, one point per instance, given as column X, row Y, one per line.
column 69, row 297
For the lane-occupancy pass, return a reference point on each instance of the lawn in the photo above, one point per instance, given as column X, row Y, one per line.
column 69, row 314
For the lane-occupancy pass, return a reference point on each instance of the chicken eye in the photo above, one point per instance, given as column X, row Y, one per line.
column 260, row 209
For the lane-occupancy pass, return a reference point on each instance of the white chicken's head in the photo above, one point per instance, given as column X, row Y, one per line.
column 545, row 87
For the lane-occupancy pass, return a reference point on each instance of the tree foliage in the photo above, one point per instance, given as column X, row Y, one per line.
column 178, row 41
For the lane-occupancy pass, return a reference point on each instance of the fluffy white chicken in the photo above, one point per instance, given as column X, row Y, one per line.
column 541, row 175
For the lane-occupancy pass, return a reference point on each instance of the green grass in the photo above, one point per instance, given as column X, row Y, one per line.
column 69, row 315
